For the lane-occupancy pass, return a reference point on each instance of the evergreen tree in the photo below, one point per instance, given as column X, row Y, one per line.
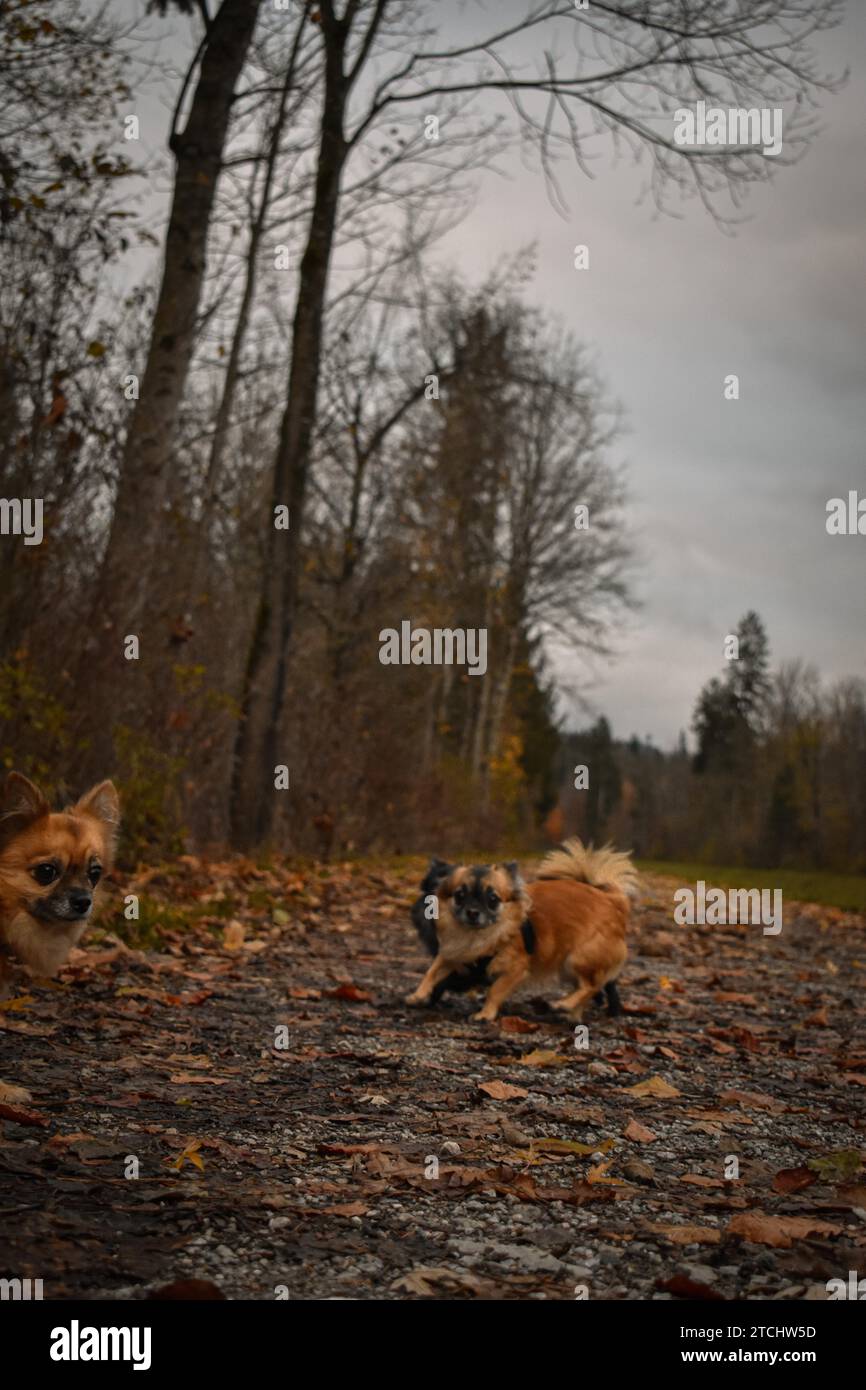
column 729, row 712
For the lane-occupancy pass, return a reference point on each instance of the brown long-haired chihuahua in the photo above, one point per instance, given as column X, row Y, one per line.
column 577, row 910
column 50, row 866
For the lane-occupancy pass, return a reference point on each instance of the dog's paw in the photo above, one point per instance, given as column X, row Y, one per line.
column 483, row 1016
column 415, row 998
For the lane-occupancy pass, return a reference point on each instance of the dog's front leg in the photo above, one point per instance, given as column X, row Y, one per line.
column 438, row 971
column 509, row 974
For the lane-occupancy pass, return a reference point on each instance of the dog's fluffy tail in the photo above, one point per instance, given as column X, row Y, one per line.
column 606, row 868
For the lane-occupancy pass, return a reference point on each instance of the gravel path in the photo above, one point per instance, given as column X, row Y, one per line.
column 253, row 1105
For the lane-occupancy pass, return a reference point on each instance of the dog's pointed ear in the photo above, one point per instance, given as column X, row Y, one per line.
column 103, row 804
column 438, row 871
column 21, row 801
column 512, row 868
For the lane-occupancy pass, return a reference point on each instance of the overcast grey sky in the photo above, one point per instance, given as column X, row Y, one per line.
column 727, row 498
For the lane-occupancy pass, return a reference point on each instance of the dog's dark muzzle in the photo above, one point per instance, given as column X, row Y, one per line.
column 65, row 907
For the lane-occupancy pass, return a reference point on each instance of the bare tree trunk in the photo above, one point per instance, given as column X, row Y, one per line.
column 441, row 713
column 498, row 705
column 478, row 741
column 256, row 748
column 429, row 734
column 232, row 376
column 145, row 468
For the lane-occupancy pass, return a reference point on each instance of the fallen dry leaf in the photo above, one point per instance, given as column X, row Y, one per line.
column 191, row 1078
column 543, row 1057
column 654, row 1086
column 428, row 1280
column 781, row 1231
column 22, row 1116
column 350, row 992
column 512, row 1023
column 639, row 1133
column 501, row 1090
column 681, row 1286
column 15, row 1006
column 793, row 1179
column 14, row 1095
column 752, row 1100
column 189, row 1154
column 233, row 936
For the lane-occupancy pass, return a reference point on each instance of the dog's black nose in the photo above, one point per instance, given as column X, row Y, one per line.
column 81, row 902
column 472, row 915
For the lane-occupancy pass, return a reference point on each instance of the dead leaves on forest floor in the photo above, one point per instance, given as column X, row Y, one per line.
column 238, row 1094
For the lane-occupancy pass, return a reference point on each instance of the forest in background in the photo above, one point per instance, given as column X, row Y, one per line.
column 776, row 778
column 306, row 428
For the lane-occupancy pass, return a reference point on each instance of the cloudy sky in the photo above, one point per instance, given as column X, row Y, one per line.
column 727, row 499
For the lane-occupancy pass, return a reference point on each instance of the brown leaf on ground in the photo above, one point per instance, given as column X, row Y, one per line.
column 512, row 1023
column 781, row 1231
column 21, row 1116
column 14, row 1095
column 543, row 1057
column 681, row 1286
column 194, row 1078
column 639, row 1133
column 655, row 1086
column 752, row 1100
column 818, row 1019
column 429, row 1280
column 502, row 1090
column 793, row 1179
column 233, row 936
column 350, row 992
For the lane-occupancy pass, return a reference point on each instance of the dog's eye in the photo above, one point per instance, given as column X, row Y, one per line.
column 45, row 874
column 94, row 873
column 460, row 897
column 492, row 900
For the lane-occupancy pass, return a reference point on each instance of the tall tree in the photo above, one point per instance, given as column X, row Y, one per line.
column 198, row 147
column 681, row 50
column 729, row 712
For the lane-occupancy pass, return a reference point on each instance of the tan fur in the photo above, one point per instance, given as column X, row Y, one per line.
column 30, row 834
column 579, row 911
column 603, row 868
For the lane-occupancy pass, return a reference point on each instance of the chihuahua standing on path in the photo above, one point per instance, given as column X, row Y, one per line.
column 50, row 866
column 578, row 910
